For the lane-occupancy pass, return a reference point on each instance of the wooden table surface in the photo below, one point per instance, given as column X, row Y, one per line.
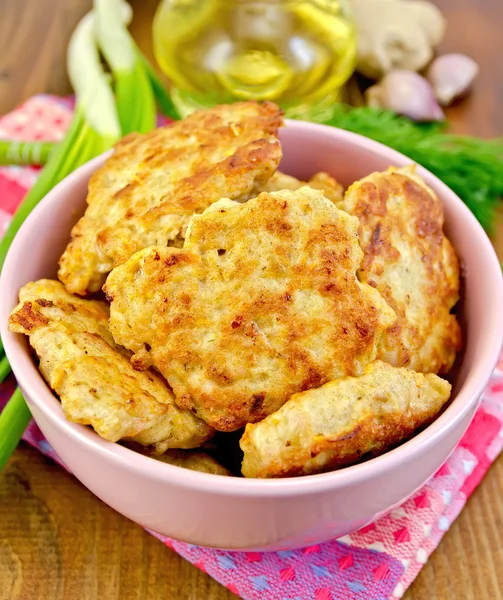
column 57, row 541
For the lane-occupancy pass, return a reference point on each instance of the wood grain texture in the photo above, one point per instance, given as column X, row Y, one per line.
column 33, row 39
column 59, row 542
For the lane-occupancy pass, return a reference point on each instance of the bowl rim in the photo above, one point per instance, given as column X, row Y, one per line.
column 466, row 399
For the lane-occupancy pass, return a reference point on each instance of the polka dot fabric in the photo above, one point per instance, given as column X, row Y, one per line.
column 377, row 562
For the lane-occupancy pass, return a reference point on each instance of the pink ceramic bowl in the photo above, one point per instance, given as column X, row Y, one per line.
column 240, row 514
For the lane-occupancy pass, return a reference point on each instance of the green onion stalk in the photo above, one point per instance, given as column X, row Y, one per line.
column 94, row 128
column 16, row 152
column 133, row 92
column 17, row 415
column 162, row 96
column 4, row 368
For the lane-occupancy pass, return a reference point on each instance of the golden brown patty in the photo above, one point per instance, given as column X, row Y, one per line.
column 342, row 422
column 262, row 302
column 146, row 192
column 94, row 377
column 410, row 261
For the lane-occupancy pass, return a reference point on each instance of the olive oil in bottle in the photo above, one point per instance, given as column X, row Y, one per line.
column 297, row 53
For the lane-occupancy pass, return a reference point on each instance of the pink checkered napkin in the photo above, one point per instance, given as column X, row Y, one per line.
column 378, row 562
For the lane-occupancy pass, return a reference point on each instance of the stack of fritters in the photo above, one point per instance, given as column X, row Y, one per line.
column 243, row 297
column 262, row 302
column 94, row 377
column 149, row 188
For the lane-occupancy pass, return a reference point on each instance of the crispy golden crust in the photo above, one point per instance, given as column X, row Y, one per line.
column 262, row 302
column 412, row 264
column 148, row 189
column 333, row 190
column 94, row 377
column 342, row 422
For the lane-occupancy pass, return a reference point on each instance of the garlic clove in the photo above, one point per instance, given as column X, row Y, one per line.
column 451, row 76
column 406, row 93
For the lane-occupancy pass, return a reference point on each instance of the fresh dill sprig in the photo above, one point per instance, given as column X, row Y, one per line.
column 471, row 167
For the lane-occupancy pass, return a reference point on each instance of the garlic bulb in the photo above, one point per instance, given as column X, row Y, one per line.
column 451, row 76
column 396, row 34
column 406, row 93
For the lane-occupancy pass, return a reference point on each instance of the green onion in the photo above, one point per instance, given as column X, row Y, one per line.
column 4, row 369
column 91, row 84
column 134, row 94
column 14, row 420
column 164, row 101
column 15, row 152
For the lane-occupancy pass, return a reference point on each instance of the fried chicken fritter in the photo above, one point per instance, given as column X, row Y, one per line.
column 334, row 191
column 93, row 377
column 262, row 302
column 146, row 192
column 342, row 422
column 413, row 265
